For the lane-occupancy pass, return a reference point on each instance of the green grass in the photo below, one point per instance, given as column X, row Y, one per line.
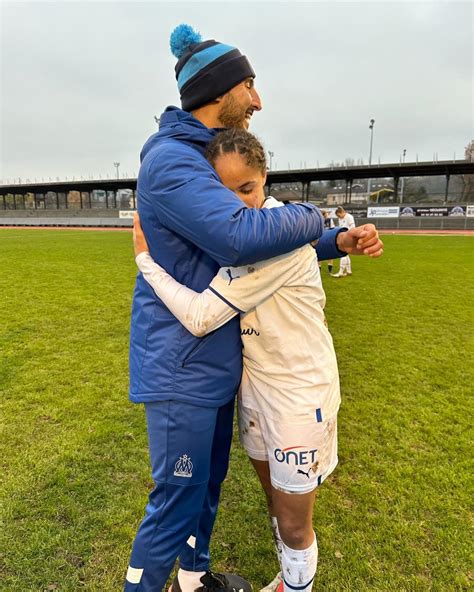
column 395, row 514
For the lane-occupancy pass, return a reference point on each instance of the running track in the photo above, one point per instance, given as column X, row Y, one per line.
column 381, row 231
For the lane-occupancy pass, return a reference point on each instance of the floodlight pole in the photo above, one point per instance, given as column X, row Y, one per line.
column 271, row 155
column 371, row 128
column 117, row 165
column 402, row 179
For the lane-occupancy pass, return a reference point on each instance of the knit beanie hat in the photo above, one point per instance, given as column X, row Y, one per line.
column 205, row 69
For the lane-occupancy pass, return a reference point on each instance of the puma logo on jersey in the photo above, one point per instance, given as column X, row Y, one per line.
column 231, row 279
column 249, row 332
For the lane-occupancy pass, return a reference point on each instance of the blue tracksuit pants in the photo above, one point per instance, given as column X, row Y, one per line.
column 189, row 452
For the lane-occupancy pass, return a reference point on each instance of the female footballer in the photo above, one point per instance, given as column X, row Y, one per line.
column 289, row 397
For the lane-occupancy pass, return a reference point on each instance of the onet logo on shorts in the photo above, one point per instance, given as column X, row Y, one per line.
column 291, row 456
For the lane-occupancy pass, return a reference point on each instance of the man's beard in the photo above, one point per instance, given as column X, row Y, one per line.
column 232, row 114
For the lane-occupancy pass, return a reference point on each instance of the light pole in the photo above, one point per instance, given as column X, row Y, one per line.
column 271, row 155
column 371, row 128
column 157, row 121
column 402, row 179
column 116, row 165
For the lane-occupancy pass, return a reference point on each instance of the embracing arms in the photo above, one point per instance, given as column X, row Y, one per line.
column 233, row 290
column 187, row 197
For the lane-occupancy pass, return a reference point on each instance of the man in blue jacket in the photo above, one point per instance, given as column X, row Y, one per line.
column 193, row 226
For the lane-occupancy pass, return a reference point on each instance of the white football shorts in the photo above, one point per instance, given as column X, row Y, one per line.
column 300, row 455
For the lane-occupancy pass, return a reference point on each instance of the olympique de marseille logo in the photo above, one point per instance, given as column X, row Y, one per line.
column 184, row 467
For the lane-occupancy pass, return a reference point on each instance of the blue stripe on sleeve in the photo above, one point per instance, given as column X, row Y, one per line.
column 226, row 301
column 319, row 415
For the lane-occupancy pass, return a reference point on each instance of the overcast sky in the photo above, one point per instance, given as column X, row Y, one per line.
column 81, row 81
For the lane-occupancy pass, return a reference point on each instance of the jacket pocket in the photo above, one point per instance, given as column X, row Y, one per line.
column 201, row 343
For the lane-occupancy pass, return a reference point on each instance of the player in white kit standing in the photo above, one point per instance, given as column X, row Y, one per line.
column 346, row 220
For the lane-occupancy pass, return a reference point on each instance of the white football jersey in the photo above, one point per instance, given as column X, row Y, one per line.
column 347, row 221
column 290, row 367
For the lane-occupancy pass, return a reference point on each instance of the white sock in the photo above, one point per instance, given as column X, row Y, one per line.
column 276, row 537
column 344, row 265
column 299, row 567
column 189, row 580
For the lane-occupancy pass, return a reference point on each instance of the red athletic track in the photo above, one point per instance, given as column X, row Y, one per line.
column 109, row 229
column 432, row 232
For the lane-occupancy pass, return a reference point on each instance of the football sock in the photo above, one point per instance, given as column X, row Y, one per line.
column 189, row 580
column 276, row 537
column 299, row 567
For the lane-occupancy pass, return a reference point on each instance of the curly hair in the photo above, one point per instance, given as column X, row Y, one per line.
column 241, row 142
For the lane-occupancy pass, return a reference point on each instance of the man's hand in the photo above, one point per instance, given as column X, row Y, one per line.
column 362, row 240
column 139, row 240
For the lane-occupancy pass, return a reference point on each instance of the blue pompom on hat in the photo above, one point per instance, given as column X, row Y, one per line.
column 182, row 38
column 205, row 69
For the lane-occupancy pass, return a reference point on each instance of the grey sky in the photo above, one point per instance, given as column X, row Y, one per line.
column 81, row 81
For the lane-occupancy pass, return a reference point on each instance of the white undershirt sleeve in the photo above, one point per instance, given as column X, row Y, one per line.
column 200, row 313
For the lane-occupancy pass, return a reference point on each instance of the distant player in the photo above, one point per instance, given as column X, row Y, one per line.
column 328, row 225
column 290, row 385
column 346, row 220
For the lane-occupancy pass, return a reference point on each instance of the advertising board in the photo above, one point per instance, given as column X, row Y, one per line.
column 433, row 212
column 383, row 212
column 124, row 214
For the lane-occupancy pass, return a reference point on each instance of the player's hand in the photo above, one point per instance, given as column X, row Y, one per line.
column 139, row 241
column 362, row 240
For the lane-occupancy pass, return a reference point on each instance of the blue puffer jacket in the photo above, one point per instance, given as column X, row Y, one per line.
column 193, row 226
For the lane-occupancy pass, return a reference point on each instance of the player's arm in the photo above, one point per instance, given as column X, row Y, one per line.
column 232, row 291
column 188, row 198
column 200, row 313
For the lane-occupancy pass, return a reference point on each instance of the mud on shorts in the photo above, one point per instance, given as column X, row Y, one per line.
column 301, row 454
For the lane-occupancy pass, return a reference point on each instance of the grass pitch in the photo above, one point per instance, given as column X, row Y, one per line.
column 393, row 517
